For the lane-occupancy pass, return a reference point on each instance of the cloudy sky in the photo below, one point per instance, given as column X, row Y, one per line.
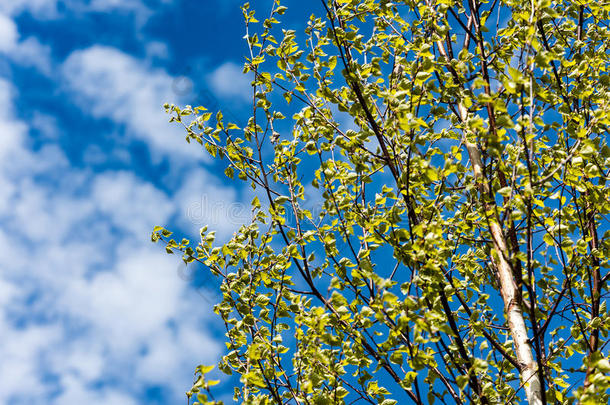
column 90, row 310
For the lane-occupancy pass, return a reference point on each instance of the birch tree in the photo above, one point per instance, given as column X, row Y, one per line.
column 457, row 249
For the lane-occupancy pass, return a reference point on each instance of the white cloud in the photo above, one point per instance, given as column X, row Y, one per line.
column 12, row 132
column 90, row 310
column 107, row 5
column 49, row 9
column 314, row 199
column 23, row 351
column 130, row 203
column 29, row 52
column 45, row 124
column 7, row 293
column 75, row 393
column 203, row 200
column 39, row 8
column 108, row 83
column 228, row 81
column 132, row 304
column 156, row 49
column 53, row 213
column 8, row 33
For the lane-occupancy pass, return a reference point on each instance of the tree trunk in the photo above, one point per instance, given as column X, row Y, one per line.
column 508, row 288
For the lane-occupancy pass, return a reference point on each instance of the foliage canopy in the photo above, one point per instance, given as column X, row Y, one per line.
column 458, row 247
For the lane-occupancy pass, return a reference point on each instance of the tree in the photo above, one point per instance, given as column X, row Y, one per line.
column 459, row 249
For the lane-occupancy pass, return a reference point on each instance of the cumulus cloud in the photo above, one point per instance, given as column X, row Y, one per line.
column 108, row 83
column 32, row 53
column 12, row 132
column 29, row 52
column 107, row 5
column 23, row 350
column 228, row 81
column 8, row 33
column 45, row 124
column 157, row 49
column 75, row 393
column 130, row 203
column 203, row 200
column 89, row 310
column 38, row 8
column 51, row 9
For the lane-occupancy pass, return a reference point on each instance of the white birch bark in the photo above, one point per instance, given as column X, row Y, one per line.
column 508, row 288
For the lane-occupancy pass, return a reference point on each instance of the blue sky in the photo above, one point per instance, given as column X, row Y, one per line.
column 90, row 310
